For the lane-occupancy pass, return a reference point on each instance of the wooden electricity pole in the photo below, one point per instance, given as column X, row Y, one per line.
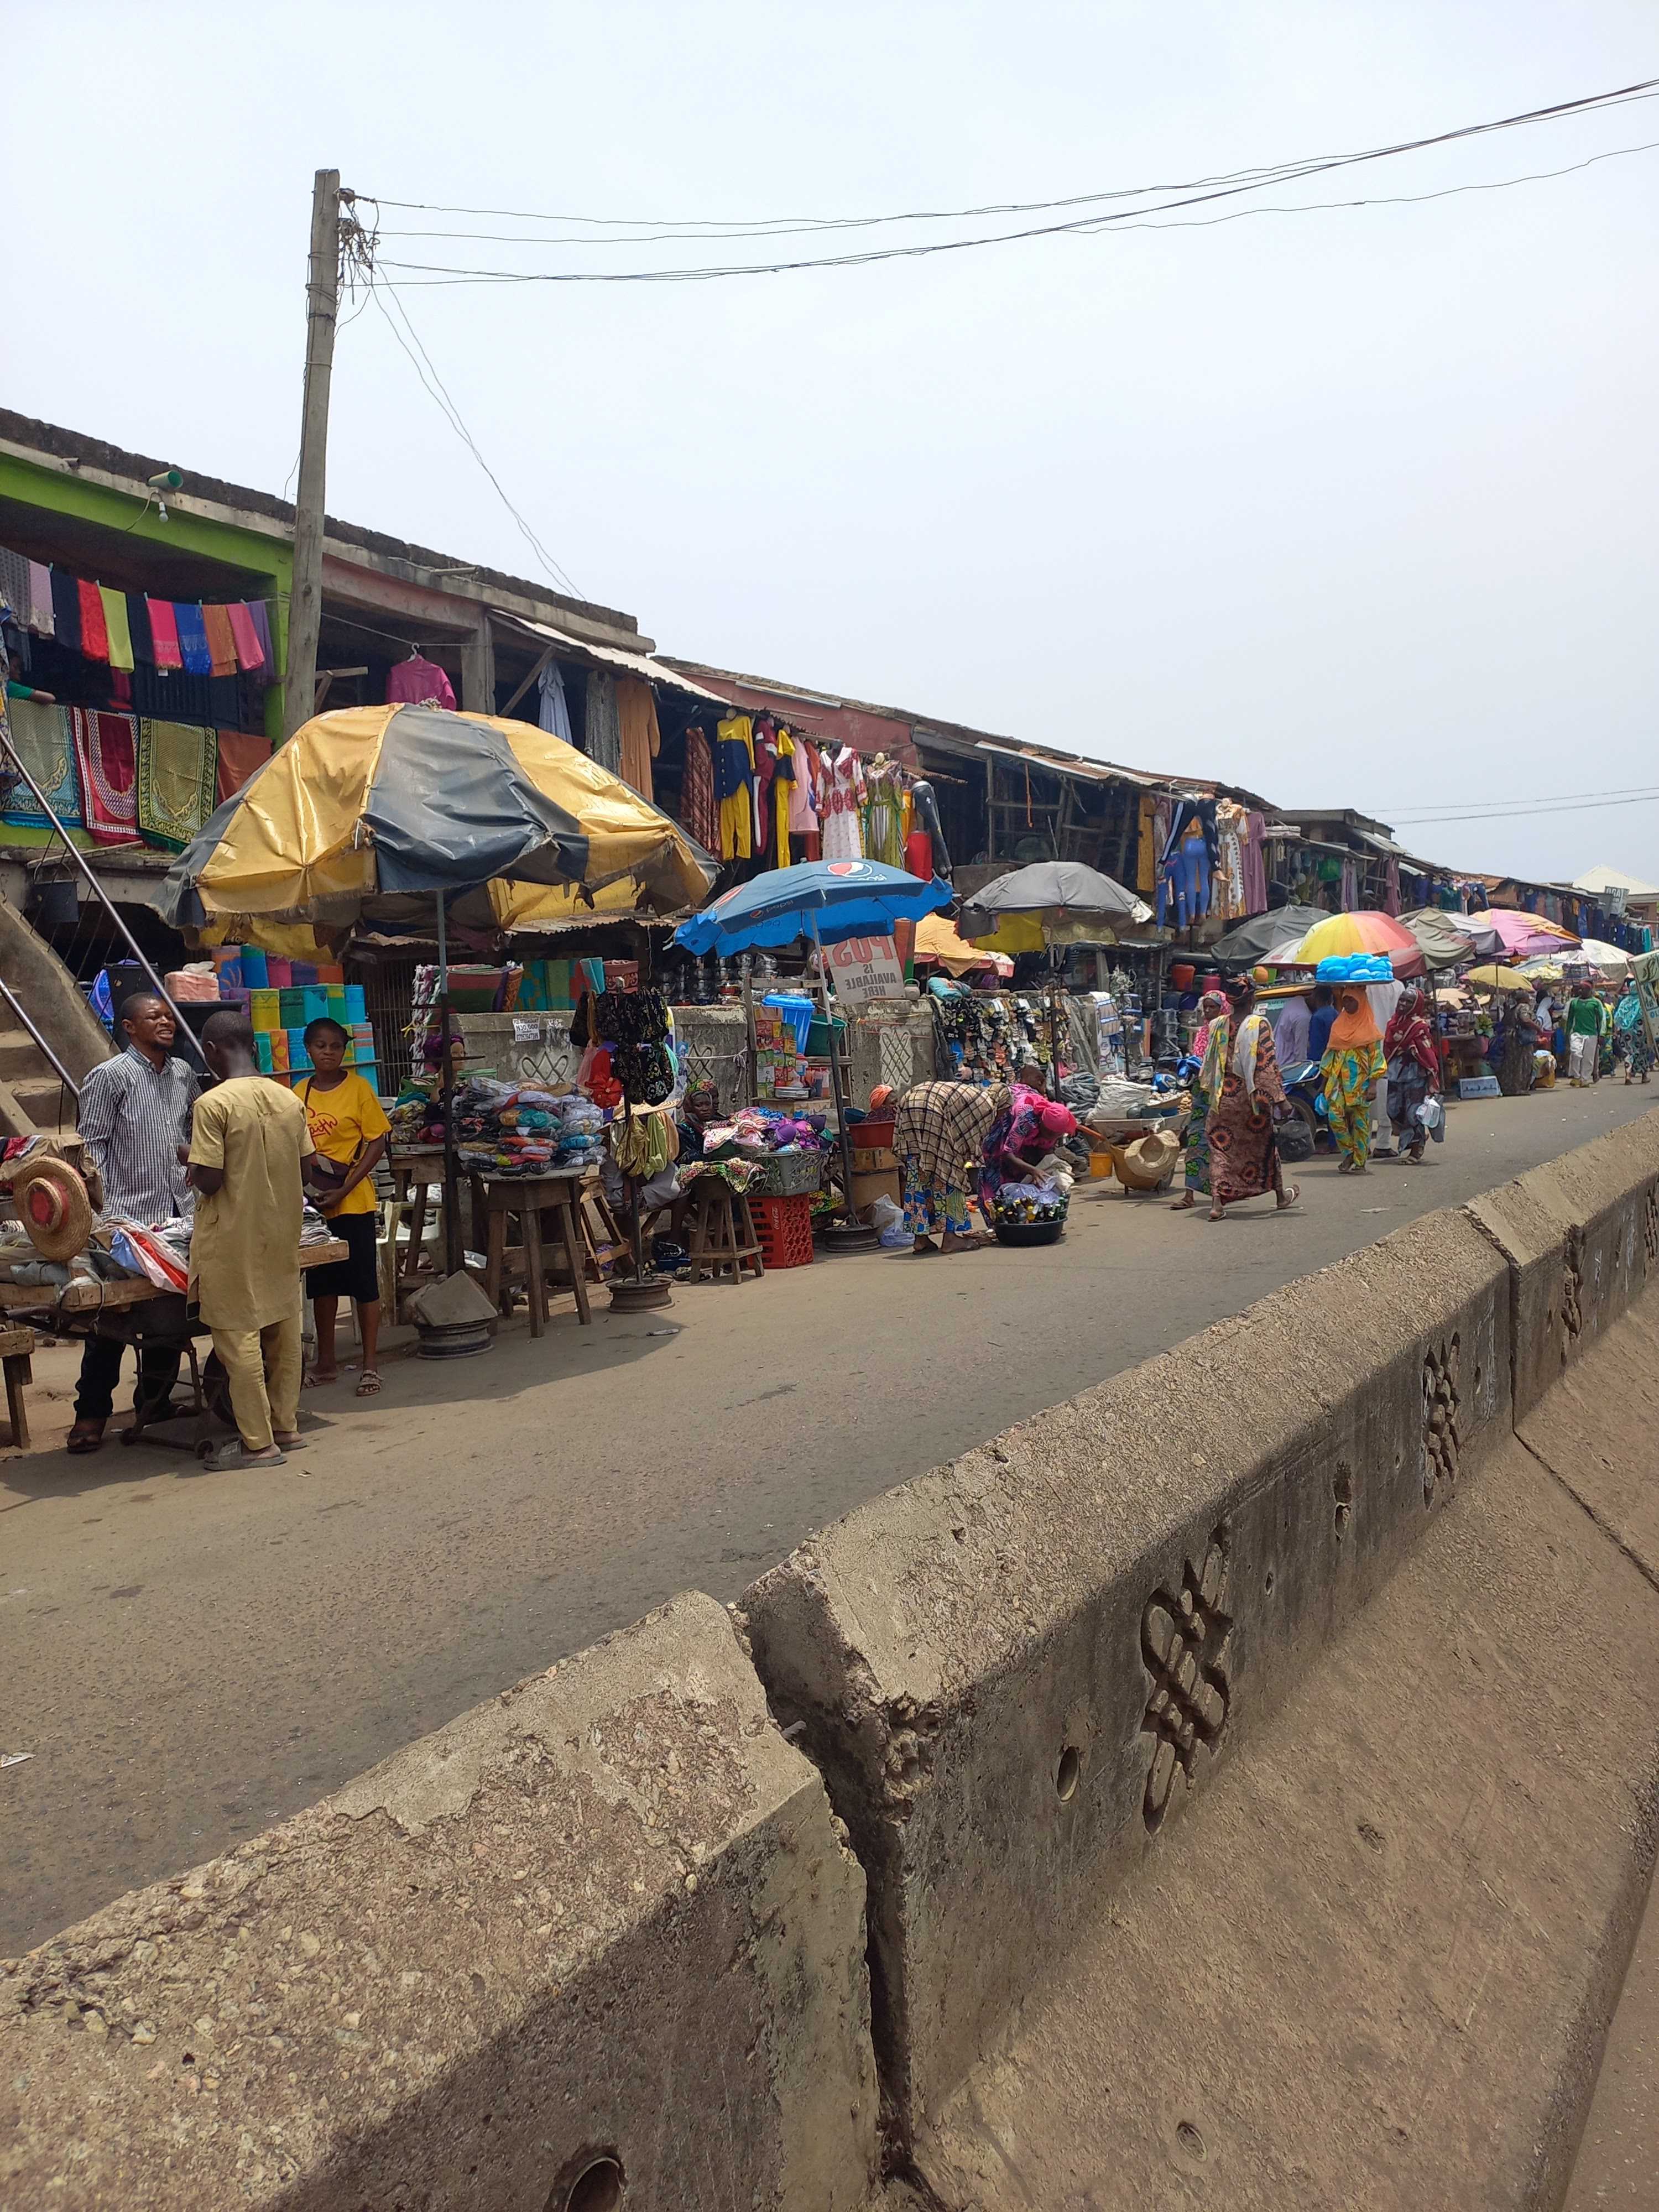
column 305, row 612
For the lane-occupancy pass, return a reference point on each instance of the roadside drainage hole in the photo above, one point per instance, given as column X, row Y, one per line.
column 1370, row 1836
column 1190, row 2140
column 1069, row 1773
column 597, row 2188
column 1269, row 1585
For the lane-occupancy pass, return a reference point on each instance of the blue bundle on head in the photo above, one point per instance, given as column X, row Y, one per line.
column 1355, row 968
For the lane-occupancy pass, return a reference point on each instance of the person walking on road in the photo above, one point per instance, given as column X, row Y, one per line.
column 1631, row 1024
column 1414, row 1076
column 1213, row 1007
column 134, row 1119
column 1586, row 1017
column 1240, row 1076
column 1353, row 1064
column 248, row 1145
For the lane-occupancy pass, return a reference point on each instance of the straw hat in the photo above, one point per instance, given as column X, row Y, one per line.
column 53, row 1207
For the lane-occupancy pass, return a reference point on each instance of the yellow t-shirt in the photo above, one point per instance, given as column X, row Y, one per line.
column 343, row 1121
column 245, row 1249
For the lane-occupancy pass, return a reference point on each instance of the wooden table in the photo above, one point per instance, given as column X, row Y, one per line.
column 494, row 1197
column 559, row 1191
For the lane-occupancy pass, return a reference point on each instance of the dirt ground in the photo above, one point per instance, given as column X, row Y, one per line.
column 187, row 1656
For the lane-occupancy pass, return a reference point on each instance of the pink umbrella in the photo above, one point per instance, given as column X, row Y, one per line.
column 1524, row 936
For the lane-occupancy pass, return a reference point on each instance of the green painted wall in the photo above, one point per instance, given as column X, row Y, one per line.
column 271, row 559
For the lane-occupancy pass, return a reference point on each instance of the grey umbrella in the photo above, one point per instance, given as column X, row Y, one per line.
column 1255, row 939
column 1060, row 889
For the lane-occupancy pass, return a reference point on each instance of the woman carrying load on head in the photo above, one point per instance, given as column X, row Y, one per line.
column 1240, row 1078
column 1213, row 1005
column 1352, row 1069
column 1413, row 1073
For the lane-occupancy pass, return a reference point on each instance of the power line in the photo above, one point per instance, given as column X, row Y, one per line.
column 1271, row 172
column 428, row 274
column 437, row 391
column 1517, row 813
column 1529, row 799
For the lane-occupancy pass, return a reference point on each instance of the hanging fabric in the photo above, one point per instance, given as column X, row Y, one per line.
column 164, row 635
column 416, row 681
column 552, row 707
column 699, row 815
column 603, row 729
column 221, row 640
column 106, row 764
column 41, row 618
column 116, row 632
column 734, row 786
column 192, row 638
column 640, row 737
column 840, row 805
column 250, row 653
column 94, row 637
column 178, row 780
column 40, row 735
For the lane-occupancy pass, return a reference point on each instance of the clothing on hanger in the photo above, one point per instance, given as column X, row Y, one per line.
column 924, row 804
column 418, row 681
column 553, row 707
column 602, row 726
column 640, row 738
column 734, row 786
column 841, row 804
column 699, row 816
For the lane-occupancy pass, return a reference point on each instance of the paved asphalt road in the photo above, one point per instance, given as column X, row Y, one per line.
column 189, row 1657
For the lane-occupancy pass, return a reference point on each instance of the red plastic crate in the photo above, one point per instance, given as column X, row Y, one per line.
column 784, row 1227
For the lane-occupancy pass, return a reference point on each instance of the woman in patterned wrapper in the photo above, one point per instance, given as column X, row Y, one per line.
column 1240, row 1078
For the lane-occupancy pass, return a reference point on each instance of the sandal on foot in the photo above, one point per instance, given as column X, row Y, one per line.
column 369, row 1383
column 316, row 1381
column 85, row 1437
column 230, row 1456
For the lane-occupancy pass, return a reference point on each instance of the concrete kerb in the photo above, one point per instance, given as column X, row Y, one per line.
column 605, row 1930
column 1015, row 1669
column 1581, row 1235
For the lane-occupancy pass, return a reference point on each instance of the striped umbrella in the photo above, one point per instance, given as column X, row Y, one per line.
column 1340, row 935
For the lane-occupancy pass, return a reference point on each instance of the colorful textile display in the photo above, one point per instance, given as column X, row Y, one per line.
column 241, row 754
column 250, row 653
column 164, row 633
column 221, row 644
column 94, row 637
column 699, row 816
column 40, row 736
column 116, row 630
column 106, row 760
column 192, row 638
column 178, row 780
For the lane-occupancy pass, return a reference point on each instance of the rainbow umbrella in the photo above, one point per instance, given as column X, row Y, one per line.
column 1525, row 936
column 1342, row 935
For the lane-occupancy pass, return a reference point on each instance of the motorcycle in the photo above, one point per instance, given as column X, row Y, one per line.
column 1305, row 1088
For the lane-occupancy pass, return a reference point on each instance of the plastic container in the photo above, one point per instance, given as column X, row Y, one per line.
column 1180, row 975
column 784, row 1227
column 1029, row 1232
column 787, row 1174
column 875, row 1132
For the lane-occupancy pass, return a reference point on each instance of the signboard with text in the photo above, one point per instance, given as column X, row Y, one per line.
column 863, row 968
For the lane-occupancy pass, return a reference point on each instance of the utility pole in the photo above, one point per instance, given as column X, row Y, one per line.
column 305, row 612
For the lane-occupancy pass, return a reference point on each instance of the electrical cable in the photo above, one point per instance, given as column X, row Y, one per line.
column 1529, row 799
column 1271, row 172
column 437, row 391
column 429, row 274
column 1516, row 813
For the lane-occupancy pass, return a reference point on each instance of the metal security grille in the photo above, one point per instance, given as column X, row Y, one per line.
column 388, row 990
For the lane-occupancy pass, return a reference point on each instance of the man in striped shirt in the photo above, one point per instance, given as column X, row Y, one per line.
column 134, row 1122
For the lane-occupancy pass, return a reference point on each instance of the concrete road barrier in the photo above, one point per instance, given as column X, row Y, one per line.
column 1582, row 1235
column 1017, row 1670
column 598, row 1943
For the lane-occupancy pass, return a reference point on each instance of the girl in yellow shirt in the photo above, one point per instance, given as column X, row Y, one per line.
column 349, row 1128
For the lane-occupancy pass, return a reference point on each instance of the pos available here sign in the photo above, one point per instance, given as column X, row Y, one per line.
column 861, row 969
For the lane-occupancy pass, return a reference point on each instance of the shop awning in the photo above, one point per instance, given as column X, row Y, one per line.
column 642, row 665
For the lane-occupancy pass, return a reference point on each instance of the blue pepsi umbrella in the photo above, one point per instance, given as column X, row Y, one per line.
column 827, row 900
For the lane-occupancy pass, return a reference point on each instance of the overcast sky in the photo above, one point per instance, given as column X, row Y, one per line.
column 1354, row 508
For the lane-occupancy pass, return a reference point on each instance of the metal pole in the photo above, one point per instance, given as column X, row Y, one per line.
column 453, row 1247
column 842, row 1129
column 322, row 312
column 97, row 890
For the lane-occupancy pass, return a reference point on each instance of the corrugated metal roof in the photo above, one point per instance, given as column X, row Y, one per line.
column 637, row 663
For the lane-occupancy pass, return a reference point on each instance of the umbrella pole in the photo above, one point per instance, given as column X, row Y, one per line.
column 842, row 1130
column 446, row 1080
column 1054, row 1020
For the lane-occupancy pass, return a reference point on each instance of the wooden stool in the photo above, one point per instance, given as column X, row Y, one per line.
column 15, row 1347
column 716, row 1215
